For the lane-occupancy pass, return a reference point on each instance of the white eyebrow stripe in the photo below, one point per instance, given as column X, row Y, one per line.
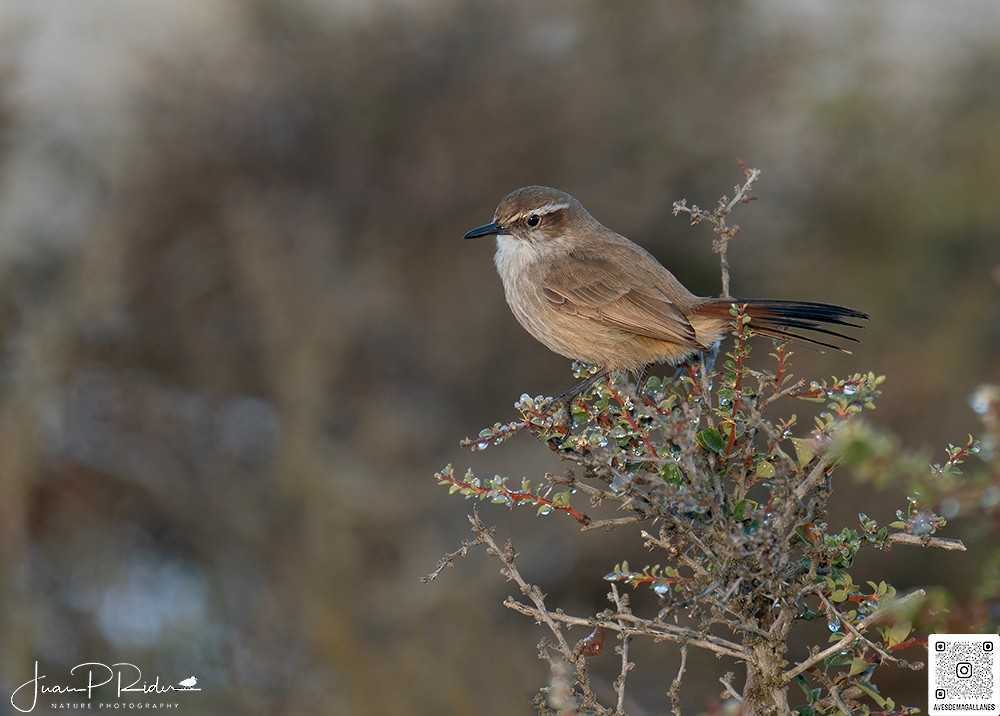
column 550, row 208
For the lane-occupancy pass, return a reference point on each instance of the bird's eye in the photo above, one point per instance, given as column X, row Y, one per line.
column 534, row 220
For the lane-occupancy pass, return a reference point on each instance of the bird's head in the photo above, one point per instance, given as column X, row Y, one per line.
column 537, row 215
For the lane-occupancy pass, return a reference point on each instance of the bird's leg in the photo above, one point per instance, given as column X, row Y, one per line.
column 566, row 397
column 641, row 378
column 685, row 367
column 708, row 357
column 640, row 386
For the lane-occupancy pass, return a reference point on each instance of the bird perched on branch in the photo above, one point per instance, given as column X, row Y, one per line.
column 592, row 295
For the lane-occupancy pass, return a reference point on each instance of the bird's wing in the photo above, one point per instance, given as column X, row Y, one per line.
column 603, row 291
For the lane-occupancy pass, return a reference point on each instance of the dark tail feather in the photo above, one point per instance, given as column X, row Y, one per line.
column 784, row 320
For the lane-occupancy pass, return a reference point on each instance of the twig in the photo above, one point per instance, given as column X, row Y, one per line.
column 635, row 625
column 506, row 557
column 717, row 218
column 721, row 245
column 725, row 681
column 449, row 559
column 675, row 553
column 812, row 479
column 620, row 681
column 927, row 541
column 784, row 392
column 675, row 687
column 834, row 693
column 857, row 634
column 743, row 193
column 852, row 636
column 597, row 495
column 612, row 522
column 498, row 491
column 621, row 606
column 539, row 612
column 630, row 497
column 709, row 555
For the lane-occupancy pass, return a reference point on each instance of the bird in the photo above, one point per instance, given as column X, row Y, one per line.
column 189, row 682
column 592, row 295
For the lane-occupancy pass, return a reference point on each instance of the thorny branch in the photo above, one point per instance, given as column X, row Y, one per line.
column 727, row 681
column 854, row 634
column 853, row 630
column 674, row 693
column 623, row 621
column 717, row 218
column 506, row 556
column 449, row 559
column 640, row 627
column 835, row 695
column 623, row 650
column 945, row 543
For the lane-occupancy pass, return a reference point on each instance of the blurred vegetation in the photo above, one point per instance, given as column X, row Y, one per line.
column 241, row 330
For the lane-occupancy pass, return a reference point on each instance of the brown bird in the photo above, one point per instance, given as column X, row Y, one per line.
column 592, row 295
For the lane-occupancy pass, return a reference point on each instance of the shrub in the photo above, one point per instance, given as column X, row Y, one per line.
column 733, row 505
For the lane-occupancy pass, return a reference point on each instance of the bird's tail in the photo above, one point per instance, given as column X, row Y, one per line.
column 786, row 320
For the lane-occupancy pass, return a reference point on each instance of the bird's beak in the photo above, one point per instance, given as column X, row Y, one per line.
column 490, row 229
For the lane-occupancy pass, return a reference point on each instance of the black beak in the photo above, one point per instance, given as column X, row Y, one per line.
column 490, row 229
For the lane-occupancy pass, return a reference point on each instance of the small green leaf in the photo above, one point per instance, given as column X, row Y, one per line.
column 619, row 431
column 710, row 440
column 805, row 451
column 668, row 403
column 858, row 666
column 764, row 470
column 872, row 691
column 671, row 473
column 561, row 499
column 898, row 633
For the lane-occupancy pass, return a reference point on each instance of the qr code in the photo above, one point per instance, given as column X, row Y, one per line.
column 963, row 674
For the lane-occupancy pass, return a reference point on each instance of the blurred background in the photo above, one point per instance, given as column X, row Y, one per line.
column 241, row 330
